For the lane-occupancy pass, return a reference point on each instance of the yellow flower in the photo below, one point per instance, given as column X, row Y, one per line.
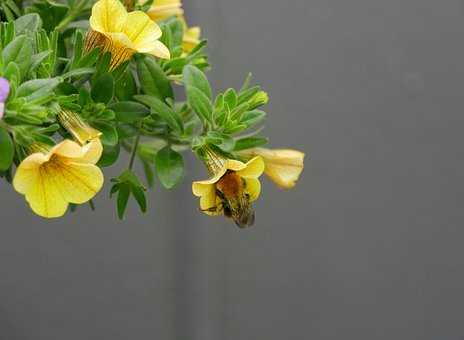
column 123, row 34
column 191, row 38
column 282, row 166
column 231, row 190
column 65, row 174
column 163, row 9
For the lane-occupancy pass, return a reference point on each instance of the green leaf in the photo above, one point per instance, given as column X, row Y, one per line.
column 200, row 103
column 52, row 12
column 103, row 89
column 28, row 22
column 109, row 156
column 221, row 140
column 176, row 29
column 125, row 87
column 248, row 94
column 6, row 150
column 37, row 88
column 230, row 97
column 126, row 131
column 19, row 51
column 251, row 118
column 103, row 64
column 12, row 72
column 106, row 115
column 139, row 195
column 152, row 78
column 129, row 180
column 193, row 77
column 84, row 97
column 166, row 36
column 38, row 59
column 167, row 114
column 123, row 198
column 129, row 112
column 89, row 59
column 249, row 142
column 78, row 72
column 149, row 174
column 169, row 166
column 109, row 133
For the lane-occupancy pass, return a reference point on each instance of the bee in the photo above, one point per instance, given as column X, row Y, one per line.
column 235, row 200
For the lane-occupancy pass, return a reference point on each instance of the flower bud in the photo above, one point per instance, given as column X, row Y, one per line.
column 259, row 99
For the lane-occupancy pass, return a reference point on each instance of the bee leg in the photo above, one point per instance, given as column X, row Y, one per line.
column 220, row 194
column 212, row 209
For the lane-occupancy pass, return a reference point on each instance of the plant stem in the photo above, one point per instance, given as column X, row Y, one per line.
column 134, row 151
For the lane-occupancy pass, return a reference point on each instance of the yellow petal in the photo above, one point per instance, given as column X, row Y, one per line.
column 283, row 166
column 92, row 151
column 68, row 149
column 108, row 16
column 163, row 9
column 77, row 182
column 201, row 188
column 118, row 42
column 191, row 38
column 284, row 176
column 160, row 50
column 253, row 188
column 198, row 184
column 160, row 3
column 209, row 202
column 234, row 165
column 141, row 31
column 28, row 171
column 44, row 196
column 254, row 168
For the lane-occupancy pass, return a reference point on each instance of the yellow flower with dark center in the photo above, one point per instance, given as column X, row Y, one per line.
column 282, row 166
column 67, row 173
column 123, row 34
column 163, row 9
column 234, row 185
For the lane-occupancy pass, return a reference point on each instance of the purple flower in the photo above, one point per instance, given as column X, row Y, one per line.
column 4, row 91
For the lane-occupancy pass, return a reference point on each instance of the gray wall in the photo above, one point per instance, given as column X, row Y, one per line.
column 369, row 244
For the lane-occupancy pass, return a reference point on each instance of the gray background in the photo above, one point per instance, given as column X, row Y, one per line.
column 369, row 244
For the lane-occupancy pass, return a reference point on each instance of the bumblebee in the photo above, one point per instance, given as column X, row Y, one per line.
column 234, row 200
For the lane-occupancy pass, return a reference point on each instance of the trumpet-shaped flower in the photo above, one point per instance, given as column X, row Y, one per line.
column 234, row 185
column 65, row 174
column 123, row 34
column 163, row 9
column 282, row 166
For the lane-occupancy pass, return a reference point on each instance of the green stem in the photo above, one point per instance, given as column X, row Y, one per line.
column 134, row 151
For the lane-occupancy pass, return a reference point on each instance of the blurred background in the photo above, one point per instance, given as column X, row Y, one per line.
column 367, row 246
